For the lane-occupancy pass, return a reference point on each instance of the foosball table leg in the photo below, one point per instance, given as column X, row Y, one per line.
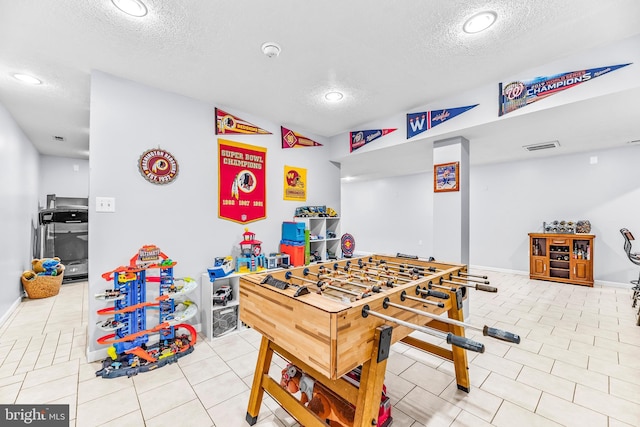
column 460, row 362
column 257, row 391
column 372, row 379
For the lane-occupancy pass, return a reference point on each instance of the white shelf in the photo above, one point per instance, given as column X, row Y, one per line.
column 229, row 304
column 320, row 226
column 209, row 308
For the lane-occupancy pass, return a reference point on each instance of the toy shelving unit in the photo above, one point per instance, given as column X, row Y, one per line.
column 130, row 351
column 220, row 320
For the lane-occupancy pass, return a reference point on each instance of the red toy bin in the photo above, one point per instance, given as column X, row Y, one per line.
column 295, row 252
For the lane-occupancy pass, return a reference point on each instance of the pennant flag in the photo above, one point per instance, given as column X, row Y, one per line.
column 518, row 94
column 361, row 137
column 291, row 139
column 421, row 122
column 228, row 124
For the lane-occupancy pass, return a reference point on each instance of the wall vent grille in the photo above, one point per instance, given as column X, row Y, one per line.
column 541, row 146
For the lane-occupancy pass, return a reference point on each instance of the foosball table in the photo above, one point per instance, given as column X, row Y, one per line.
column 331, row 318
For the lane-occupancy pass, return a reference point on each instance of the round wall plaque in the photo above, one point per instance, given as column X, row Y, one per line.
column 158, row 166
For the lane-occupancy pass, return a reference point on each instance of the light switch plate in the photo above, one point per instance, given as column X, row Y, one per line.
column 105, row 204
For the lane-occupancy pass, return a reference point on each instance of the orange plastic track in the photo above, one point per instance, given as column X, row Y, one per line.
column 108, row 339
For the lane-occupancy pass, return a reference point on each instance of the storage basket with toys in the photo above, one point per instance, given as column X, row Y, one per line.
column 44, row 279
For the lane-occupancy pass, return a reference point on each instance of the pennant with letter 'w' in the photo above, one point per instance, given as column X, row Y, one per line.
column 421, row 122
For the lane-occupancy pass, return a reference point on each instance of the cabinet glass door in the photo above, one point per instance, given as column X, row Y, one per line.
column 538, row 246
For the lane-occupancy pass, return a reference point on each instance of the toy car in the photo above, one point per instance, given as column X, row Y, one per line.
column 222, row 295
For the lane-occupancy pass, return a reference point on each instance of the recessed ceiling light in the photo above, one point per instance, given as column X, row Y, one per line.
column 271, row 49
column 131, row 7
column 26, row 78
column 333, row 96
column 479, row 22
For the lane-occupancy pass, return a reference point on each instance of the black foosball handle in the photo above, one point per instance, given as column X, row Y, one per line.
column 401, row 255
column 465, row 343
column 486, row 288
column 501, row 335
column 270, row 280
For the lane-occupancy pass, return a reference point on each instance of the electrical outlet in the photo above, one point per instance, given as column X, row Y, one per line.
column 105, row 204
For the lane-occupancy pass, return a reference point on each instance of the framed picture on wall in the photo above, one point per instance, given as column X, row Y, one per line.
column 446, row 177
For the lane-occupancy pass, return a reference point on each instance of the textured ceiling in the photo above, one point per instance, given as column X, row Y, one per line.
column 387, row 57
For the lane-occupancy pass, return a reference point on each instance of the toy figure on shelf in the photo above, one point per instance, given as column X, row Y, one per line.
column 223, row 266
column 251, row 258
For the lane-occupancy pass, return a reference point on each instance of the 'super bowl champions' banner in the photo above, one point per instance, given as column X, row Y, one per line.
column 228, row 124
column 242, row 190
column 291, row 139
column 519, row 94
column 421, row 122
column 360, row 138
column 295, row 183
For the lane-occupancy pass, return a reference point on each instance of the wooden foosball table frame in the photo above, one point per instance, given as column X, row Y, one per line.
column 330, row 333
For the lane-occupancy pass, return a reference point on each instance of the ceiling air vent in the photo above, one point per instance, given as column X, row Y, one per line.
column 541, row 146
column 58, row 138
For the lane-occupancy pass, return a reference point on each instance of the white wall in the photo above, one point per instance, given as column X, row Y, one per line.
column 19, row 196
column 64, row 177
column 390, row 215
column 128, row 118
column 508, row 201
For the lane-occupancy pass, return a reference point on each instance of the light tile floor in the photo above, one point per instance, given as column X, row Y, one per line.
column 578, row 365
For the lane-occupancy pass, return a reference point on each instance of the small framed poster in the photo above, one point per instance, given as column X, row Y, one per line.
column 446, row 177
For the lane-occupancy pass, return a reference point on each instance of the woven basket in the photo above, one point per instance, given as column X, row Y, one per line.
column 44, row 286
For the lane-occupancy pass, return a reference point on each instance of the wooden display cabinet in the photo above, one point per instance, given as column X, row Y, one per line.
column 566, row 258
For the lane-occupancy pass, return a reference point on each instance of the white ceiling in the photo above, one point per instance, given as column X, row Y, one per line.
column 387, row 57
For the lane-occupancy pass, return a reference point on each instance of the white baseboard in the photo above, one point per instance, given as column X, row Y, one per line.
column 604, row 283
column 498, row 270
column 9, row 312
column 608, row 284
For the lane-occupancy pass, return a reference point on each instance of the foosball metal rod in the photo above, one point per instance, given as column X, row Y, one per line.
column 383, row 272
column 321, row 284
column 472, row 275
column 486, row 330
column 430, row 293
column 471, row 279
column 358, row 295
column 477, row 286
column 403, row 265
column 403, row 296
column 391, row 280
column 347, row 272
column 467, row 276
column 451, row 338
column 328, row 279
column 438, row 285
column 413, row 274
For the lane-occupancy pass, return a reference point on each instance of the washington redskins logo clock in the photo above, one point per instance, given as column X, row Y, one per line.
column 158, row 166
